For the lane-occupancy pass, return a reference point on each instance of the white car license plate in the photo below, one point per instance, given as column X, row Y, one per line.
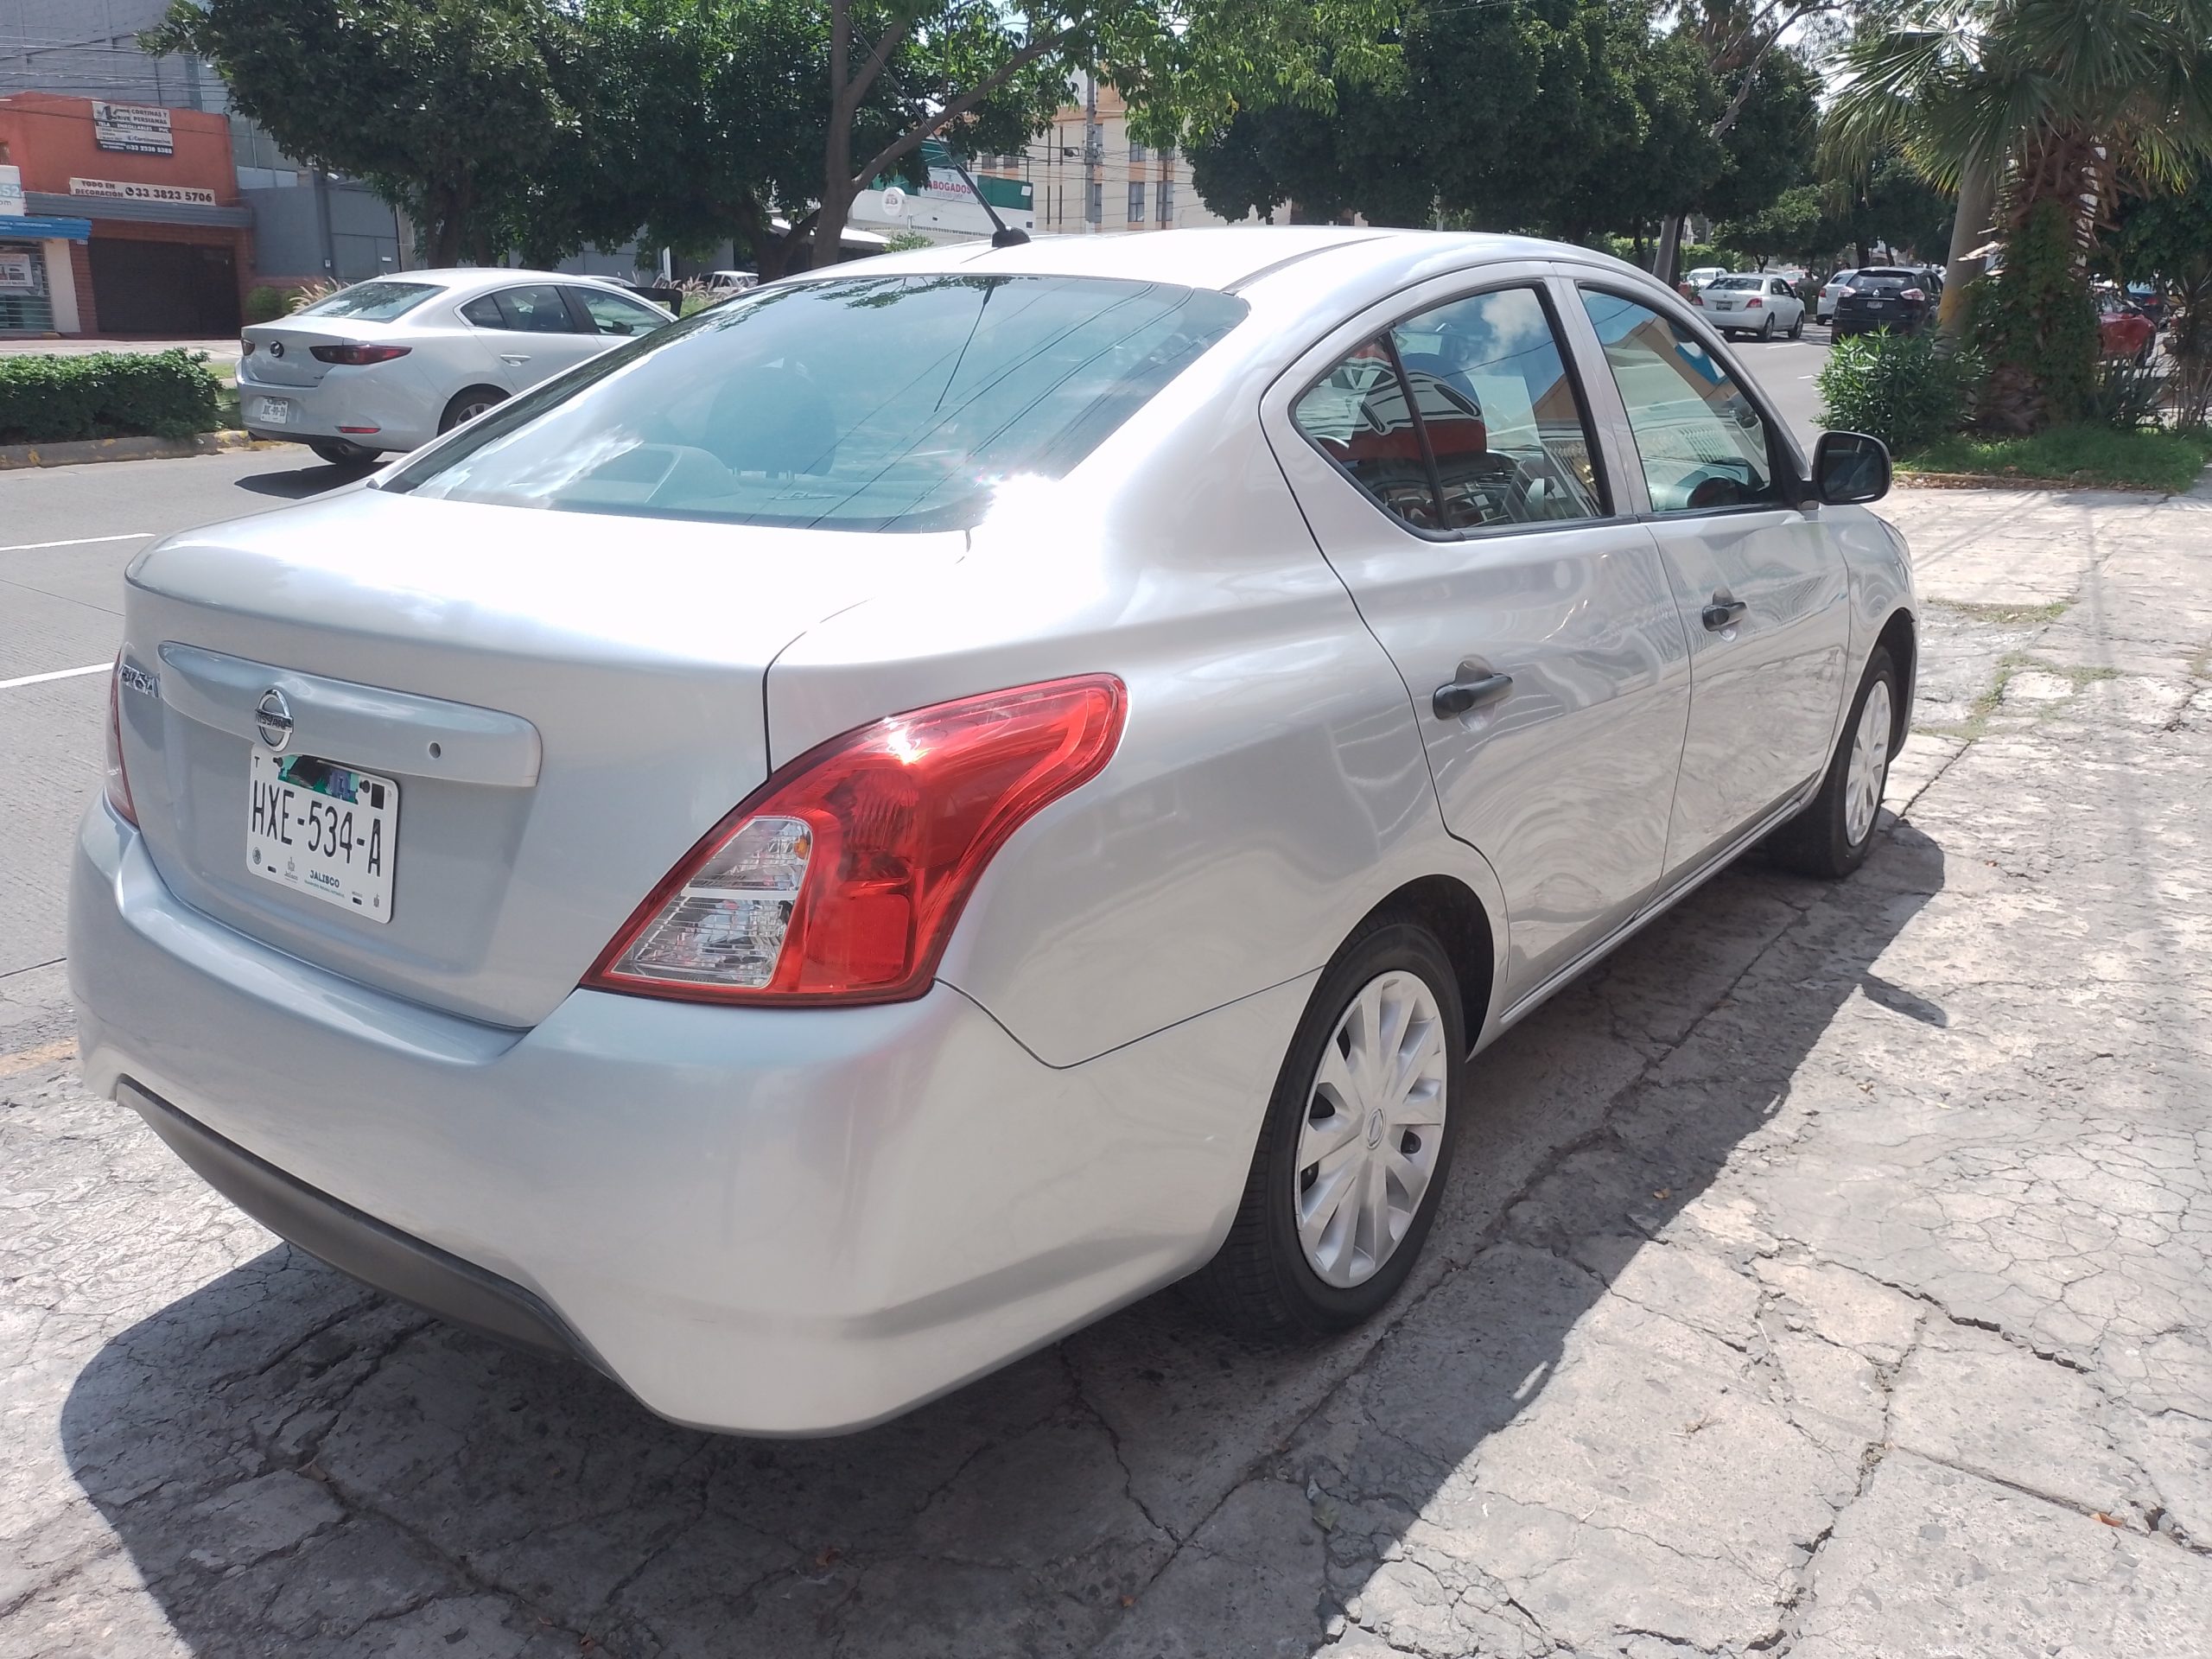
column 271, row 412
column 323, row 828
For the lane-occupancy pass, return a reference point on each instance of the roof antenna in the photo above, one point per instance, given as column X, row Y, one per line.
column 1003, row 235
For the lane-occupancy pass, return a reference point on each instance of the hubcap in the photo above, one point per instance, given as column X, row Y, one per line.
column 1374, row 1125
column 1870, row 764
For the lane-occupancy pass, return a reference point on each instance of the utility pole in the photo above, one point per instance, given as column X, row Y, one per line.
column 1094, row 158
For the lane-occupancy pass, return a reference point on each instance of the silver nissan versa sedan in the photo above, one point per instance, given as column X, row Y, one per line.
column 839, row 841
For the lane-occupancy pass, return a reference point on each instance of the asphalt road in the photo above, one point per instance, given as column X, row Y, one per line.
column 67, row 535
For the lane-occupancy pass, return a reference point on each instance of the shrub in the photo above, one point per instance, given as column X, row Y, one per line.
column 266, row 303
column 2130, row 395
column 1905, row 389
column 50, row 398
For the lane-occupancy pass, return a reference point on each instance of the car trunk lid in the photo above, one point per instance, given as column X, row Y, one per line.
column 563, row 703
column 283, row 353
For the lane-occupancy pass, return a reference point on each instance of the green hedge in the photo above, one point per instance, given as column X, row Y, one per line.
column 50, row 398
column 1905, row 389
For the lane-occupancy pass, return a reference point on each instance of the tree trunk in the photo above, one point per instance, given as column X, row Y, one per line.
column 442, row 240
column 837, row 153
column 1670, row 250
column 1970, row 230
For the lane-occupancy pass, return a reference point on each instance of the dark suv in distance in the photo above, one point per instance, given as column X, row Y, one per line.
column 1896, row 297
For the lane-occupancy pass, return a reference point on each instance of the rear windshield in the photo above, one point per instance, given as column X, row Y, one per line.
column 854, row 403
column 370, row 301
column 1739, row 282
column 1868, row 278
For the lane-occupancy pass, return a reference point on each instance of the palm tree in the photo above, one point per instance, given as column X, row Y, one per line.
column 2028, row 108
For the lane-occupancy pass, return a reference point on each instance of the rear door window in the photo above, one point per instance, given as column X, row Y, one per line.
column 617, row 313
column 1500, row 437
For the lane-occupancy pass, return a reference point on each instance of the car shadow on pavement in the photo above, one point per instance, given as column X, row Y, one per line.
column 318, row 479
column 296, row 1465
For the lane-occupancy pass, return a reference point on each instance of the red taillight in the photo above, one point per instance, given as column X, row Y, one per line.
column 840, row 879
column 1754, row 303
column 1912, row 293
column 1697, row 297
column 358, row 355
column 119, row 781
column 247, row 348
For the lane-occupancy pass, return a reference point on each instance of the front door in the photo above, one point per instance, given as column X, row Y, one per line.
column 1762, row 588
column 1445, row 465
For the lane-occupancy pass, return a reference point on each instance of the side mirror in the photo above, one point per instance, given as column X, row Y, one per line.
column 1850, row 467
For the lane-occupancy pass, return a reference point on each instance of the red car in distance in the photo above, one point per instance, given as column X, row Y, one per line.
column 2123, row 330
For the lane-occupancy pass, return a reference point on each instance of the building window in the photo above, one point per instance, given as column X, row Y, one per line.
column 1167, row 201
column 1136, row 153
column 1095, row 210
column 1136, row 202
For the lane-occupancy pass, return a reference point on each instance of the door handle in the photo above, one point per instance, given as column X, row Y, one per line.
column 1461, row 695
column 1723, row 612
column 514, row 356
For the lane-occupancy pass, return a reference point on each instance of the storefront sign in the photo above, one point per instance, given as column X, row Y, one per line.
column 12, row 192
column 19, row 270
column 134, row 128
column 119, row 190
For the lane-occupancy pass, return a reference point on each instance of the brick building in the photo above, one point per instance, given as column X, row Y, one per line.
column 143, row 203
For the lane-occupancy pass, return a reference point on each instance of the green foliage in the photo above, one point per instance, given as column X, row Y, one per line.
column 2167, row 238
column 266, row 303
column 1568, row 117
column 2035, row 327
column 2129, row 396
column 1902, row 388
column 907, row 242
column 2083, row 456
column 50, row 398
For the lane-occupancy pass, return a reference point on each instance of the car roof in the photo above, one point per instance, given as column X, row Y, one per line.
column 468, row 277
column 1224, row 258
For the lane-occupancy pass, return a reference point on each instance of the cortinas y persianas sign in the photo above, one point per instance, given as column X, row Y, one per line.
column 136, row 128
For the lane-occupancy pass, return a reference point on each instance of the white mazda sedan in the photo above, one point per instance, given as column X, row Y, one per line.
column 389, row 364
column 838, row 842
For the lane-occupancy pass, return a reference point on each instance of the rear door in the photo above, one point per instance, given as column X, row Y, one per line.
column 1442, row 455
column 1761, row 585
column 530, row 331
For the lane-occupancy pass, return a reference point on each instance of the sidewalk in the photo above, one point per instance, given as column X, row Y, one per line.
column 1826, row 1276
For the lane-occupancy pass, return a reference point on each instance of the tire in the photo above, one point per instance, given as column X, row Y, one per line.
column 1264, row 1281
column 338, row 452
column 1831, row 836
column 467, row 405
column 1797, row 328
column 1766, row 327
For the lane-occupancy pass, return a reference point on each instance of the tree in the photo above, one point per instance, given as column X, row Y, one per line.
column 973, row 68
column 447, row 107
column 2018, row 104
column 2166, row 239
column 1567, row 116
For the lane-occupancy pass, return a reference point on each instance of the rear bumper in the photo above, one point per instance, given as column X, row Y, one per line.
column 355, row 1242
column 774, row 1222
column 390, row 396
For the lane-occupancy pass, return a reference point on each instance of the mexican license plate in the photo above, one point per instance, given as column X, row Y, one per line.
column 271, row 412
column 322, row 828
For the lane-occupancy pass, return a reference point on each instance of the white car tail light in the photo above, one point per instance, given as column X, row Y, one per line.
column 840, row 879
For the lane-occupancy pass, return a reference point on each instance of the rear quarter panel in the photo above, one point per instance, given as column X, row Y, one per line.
column 1270, row 786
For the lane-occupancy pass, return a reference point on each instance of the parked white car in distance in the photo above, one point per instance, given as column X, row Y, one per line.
column 1757, row 302
column 389, row 364
column 1835, row 286
column 1704, row 276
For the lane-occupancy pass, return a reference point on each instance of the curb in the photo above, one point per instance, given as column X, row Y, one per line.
column 87, row 449
column 2021, row 481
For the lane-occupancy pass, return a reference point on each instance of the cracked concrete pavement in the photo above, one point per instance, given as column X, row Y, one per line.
column 1826, row 1275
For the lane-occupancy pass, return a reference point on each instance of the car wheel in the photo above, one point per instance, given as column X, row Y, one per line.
column 1353, row 1157
column 338, row 452
column 467, row 405
column 1797, row 328
column 1766, row 328
column 1830, row 837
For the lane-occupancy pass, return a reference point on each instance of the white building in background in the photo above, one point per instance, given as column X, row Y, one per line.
column 1089, row 176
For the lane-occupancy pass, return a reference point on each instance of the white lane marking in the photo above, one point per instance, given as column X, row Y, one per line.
column 58, row 674
column 81, row 541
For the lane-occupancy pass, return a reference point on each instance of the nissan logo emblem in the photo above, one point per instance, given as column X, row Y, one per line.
column 273, row 718
column 275, row 348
